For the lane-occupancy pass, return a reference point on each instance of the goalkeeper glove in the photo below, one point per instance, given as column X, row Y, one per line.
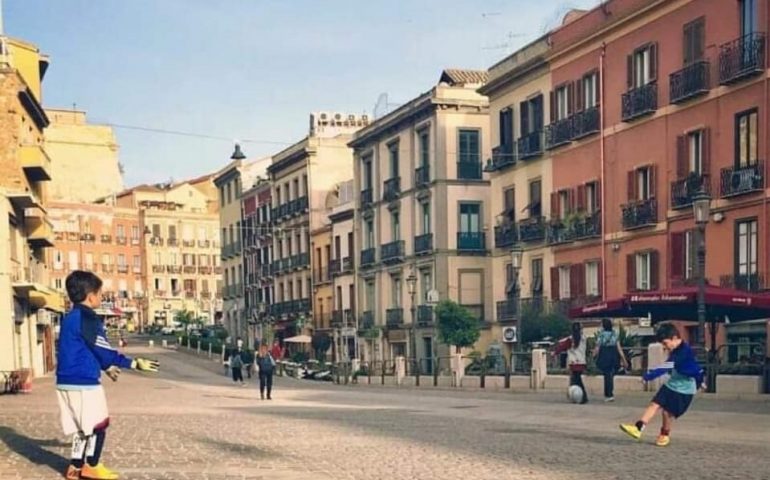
column 145, row 365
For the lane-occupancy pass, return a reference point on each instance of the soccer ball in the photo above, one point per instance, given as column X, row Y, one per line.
column 575, row 394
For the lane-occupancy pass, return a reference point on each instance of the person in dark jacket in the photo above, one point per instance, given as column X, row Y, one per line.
column 609, row 356
column 236, row 364
column 84, row 353
column 266, row 364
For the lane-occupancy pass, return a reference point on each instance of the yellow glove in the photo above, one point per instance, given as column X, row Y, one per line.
column 113, row 372
column 145, row 365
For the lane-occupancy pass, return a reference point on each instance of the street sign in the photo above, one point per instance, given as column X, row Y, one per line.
column 348, row 332
column 432, row 297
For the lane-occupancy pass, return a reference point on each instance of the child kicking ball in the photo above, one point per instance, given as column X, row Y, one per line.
column 674, row 398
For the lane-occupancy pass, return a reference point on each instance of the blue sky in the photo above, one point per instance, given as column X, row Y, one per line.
column 254, row 69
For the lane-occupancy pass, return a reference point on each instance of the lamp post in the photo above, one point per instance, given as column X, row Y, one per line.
column 701, row 207
column 517, row 254
column 411, row 283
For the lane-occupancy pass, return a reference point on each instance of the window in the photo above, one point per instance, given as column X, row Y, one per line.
column 121, row 231
column 395, row 299
column 642, row 66
column 745, row 251
column 695, row 143
column 173, row 258
column 369, row 290
column 370, row 233
column 174, row 285
column 536, row 271
column 121, row 260
column 746, row 153
column 506, row 127
column 368, row 179
column 641, row 184
column 59, row 283
column 535, row 201
column 592, row 279
column 158, row 258
column 89, row 261
column 509, row 204
column 564, row 282
column 531, row 115
column 135, row 232
column 748, row 10
column 562, row 103
column 393, row 156
column 564, row 204
column 58, row 260
column 395, row 225
column 590, row 90
column 592, row 197
column 158, row 284
column 469, row 146
column 295, row 188
column 425, row 207
column 156, row 230
column 423, row 138
column 351, row 246
column 229, row 193
column 189, row 285
column 137, row 263
column 469, row 217
column 426, row 283
column 643, row 271
column 694, row 41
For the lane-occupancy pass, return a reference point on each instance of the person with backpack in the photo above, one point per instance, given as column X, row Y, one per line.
column 266, row 364
column 236, row 365
column 609, row 356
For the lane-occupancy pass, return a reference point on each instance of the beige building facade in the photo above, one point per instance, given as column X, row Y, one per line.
column 421, row 213
column 344, row 322
column 84, row 157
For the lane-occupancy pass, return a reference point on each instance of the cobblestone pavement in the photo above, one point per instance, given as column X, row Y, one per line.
column 190, row 423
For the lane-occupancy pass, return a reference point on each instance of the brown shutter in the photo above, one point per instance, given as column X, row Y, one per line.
column 600, row 280
column 653, row 181
column 677, row 255
column 598, row 190
column 579, row 106
column 699, row 40
column 631, row 272
column 554, row 283
column 598, row 87
column 654, row 61
column 524, row 117
column 581, row 198
column 629, row 72
column 552, row 100
column 571, row 98
column 555, row 205
column 574, row 280
column 682, row 163
column 654, row 270
column 631, row 185
column 706, row 151
column 687, row 42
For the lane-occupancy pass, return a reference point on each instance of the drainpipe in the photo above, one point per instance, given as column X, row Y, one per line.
column 765, row 138
column 603, row 273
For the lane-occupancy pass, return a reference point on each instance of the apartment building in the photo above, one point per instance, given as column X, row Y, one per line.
column 302, row 176
column 258, row 257
column 421, row 212
column 344, row 322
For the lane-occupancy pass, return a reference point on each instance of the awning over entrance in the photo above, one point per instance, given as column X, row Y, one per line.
column 681, row 304
column 39, row 296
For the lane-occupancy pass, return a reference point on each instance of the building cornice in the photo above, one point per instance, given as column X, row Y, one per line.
column 342, row 216
column 291, row 155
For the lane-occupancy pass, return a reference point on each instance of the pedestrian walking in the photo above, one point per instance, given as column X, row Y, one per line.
column 277, row 351
column 236, row 366
column 575, row 345
column 266, row 365
column 84, row 352
column 609, row 356
column 674, row 398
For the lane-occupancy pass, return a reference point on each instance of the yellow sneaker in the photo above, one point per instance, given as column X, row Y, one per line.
column 662, row 440
column 72, row 473
column 99, row 472
column 631, row 430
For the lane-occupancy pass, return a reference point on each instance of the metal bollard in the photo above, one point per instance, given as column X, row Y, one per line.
column 199, row 347
column 165, row 343
column 210, row 353
column 152, row 343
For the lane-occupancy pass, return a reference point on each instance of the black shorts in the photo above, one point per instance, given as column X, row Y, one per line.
column 674, row 403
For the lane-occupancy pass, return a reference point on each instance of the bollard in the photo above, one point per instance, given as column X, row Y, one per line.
column 383, row 372
column 436, row 366
column 199, row 347
column 152, row 343
column 507, row 384
column 539, row 369
column 165, row 343
column 210, row 350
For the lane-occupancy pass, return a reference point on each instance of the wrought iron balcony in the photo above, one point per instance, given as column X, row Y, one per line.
column 575, row 228
column 683, row 190
column 347, row 264
column 321, row 275
column 392, row 189
column 393, row 252
column 585, row 123
column 337, row 319
column 559, row 133
column 641, row 213
column 532, row 229
column 471, row 241
column 367, row 197
column 469, row 170
column 300, row 205
column 368, row 257
column 742, row 180
column 394, row 317
column 266, row 270
column 751, row 282
column 507, row 310
column 530, row 145
column 689, row 82
column 424, row 315
column 423, row 243
column 741, row 58
column 301, row 260
column 335, row 267
column 367, row 320
column 121, row 240
column 505, row 235
column 422, row 176
column 639, row 101
column 502, row 156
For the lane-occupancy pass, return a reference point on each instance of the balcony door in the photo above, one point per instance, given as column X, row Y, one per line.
column 470, row 214
column 748, row 9
column 746, row 255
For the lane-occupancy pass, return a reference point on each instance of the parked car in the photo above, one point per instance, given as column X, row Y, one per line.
column 167, row 331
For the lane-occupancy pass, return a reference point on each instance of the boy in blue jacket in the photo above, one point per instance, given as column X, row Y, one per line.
column 83, row 353
column 674, row 398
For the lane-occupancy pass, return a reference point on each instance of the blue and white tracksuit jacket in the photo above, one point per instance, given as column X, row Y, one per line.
column 686, row 373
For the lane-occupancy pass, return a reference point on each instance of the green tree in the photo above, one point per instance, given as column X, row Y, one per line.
column 186, row 319
column 535, row 324
column 456, row 325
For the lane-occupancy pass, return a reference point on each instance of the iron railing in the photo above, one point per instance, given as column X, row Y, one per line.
column 579, row 228
column 689, row 82
column 741, row 58
column 684, row 190
column 640, row 213
column 394, row 317
column 471, row 241
column 422, row 175
column 505, row 235
column 532, row 229
column 502, row 156
column 585, row 123
column 423, row 243
column 747, row 282
column 368, row 256
column 507, row 310
column 530, row 145
column 639, row 101
column 392, row 189
column 367, row 320
column 741, row 180
column 393, row 251
column 424, row 315
column 559, row 133
column 367, row 197
column 469, row 170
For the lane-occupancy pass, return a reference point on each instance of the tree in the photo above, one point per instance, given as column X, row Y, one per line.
column 456, row 325
column 186, row 319
column 535, row 324
column 321, row 342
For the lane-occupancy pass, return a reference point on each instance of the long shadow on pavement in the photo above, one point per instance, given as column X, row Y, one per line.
column 32, row 449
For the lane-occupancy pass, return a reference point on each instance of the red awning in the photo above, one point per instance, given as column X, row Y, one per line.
column 681, row 304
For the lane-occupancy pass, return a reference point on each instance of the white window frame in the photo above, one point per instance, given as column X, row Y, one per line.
column 747, row 248
column 589, row 90
column 564, row 282
column 563, row 203
column 396, row 291
column 591, row 204
column 695, row 141
column 592, row 279
column 642, row 67
column 562, row 103
column 643, row 187
column 643, row 267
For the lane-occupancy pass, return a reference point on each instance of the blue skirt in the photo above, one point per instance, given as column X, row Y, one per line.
column 674, row 403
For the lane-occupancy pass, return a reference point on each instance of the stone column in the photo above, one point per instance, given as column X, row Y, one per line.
column 400, row 370
column 539, row 369
column 458, row 369
column 656, row 355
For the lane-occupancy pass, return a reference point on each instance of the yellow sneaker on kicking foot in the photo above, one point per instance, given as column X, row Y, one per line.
column 662, row 440
column 72, row 473
column 631, row 430
column 99, row 472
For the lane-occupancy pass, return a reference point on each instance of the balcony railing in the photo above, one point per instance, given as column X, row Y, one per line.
column 189, row 269
column 301, row 260
column 559, row 133
column 122, row 268
column 689, row 82
column 335, row 266
column 424, row 315
column 640, row 101
column 502, row 156
column 469, row 170
column 741, row 58
column 393, row 252
column 337, row 319
column 505, row 235
column 173, row 242
column 683, row 190
column 422, row 176
column 532, row 229
column 347, row 264
column 751, row 282
column 205, row 270
column 641, row 213
column 367, row 320
column 157, row 269
column 368, row 256
column 742, row 180
column 321, row 275
column 121, row 240
column 585, row 123
column 367, row 197
column 106, row 238
column 265, row 270
column 300, row 204
column 174, row 268
column 423, row 243
column 507, row 310
column 394, row 317
column 471, row 241
column 188, row 243
column 576, row 228
column 530, row 145
column 391, row 189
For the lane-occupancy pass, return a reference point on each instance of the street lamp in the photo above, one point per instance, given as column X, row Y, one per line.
column 701, row 209
column 411, row 284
